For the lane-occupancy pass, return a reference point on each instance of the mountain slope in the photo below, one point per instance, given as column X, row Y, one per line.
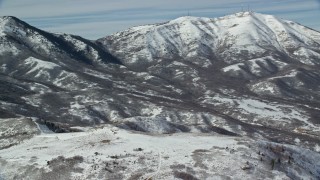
column 184, row 75
column 18, row 39
column 274, row 58
column 232, row 39
column 243, row 75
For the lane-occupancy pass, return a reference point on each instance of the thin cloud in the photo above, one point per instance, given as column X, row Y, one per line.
column 97, row 18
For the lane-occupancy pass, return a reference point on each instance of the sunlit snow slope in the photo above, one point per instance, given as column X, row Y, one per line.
column 234, row 38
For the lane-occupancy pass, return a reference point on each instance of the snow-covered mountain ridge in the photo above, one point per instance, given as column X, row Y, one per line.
column 246, row 77
column 234, row 38
column 19, row 39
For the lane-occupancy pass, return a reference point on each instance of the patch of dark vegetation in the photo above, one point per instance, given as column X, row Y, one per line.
column 184, row 176
column 315, row 117
column 135, row 176
column 106, row 56
column 180, row 127
column 11, row 88
column 222, row 131
column 113, row 169
column 66, row 161
column 6, row 114
column 105, row 141
column 62, row 167
column 97, row 115
column 201, row 151
column 11, row 98
column 285, row 158
column 115, row 157
column 138, row 149
column 58, row 127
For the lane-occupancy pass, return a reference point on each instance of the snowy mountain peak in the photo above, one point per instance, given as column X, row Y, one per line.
column 246, row 14
column 11, row 21
column 8, row 18
column 11, row 26
column 236, row 38
column 188, row 19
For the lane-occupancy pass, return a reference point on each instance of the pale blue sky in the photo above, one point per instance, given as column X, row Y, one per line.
column 97, row 18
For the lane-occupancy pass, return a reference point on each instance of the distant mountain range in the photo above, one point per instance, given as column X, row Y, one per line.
column 248, row 81
column 242, row 74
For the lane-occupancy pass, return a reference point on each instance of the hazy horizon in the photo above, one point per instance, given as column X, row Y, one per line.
column 98, row 18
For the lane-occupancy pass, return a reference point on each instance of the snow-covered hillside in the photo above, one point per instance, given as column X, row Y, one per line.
column 111, row 153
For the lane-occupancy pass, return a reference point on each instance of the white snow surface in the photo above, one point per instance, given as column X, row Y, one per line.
column 108, row 152
column 267, row 113
column 86, row 143
column 7, row 27
column 38, row 64
column 157, row 154
column 255, row 66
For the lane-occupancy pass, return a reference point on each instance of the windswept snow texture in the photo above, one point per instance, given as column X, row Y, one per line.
column 242, row 78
